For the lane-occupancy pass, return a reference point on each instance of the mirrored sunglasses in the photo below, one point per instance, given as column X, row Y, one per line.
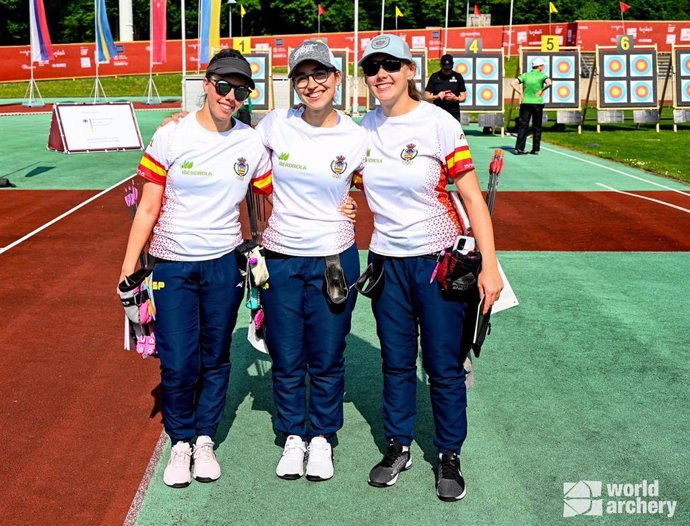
column 223, row 87
column 391, row 65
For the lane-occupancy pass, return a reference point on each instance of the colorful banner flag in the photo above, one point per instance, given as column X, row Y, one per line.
column 477, row 11
column 243, row 11
column 624, row 7
column 320, row 10
column 209, row 29
column 41, row 48
column 105, row 46
column 398, row 12
column 552, row 8
column 159, row 31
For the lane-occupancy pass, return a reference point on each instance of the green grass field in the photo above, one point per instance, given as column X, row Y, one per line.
column 641, row 147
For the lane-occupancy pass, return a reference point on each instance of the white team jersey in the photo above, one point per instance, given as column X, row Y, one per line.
column 312, row 174
column 409, row 159
column 206, row 175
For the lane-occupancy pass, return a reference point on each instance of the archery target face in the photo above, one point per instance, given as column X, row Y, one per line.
column 684, row 64
column 465, row 67
column 418, row 74
column 563, row 92
column 615, row 92
column 487, row 69
column 486, row 95
column 641, row 92
column 530, row 58
column 641, row 66
column 615, row 66
column 258, row 66
column 563, row 68
column 685, row 91
column 259, row 94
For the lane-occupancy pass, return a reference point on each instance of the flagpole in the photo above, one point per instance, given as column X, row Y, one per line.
column 151, row 88
column 396, row 20
column 32, row 102
column 230, row 2
column 241, row 22
column 383, row 9
column 355, row 91
column 318, row 23
column 97, row 87
column 510, row 29
column 623, row 21
column 445, row 31
column 183, row 30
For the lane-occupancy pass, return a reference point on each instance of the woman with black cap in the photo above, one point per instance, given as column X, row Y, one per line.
column 414, row 148
column 196, row 175
column 312, row 259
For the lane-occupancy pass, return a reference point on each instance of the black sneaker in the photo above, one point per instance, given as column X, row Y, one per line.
column 520, row 152
column 534, row 152
column 386, row 472
column 450, row 484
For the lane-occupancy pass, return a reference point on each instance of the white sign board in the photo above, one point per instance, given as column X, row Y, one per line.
column 94, row 127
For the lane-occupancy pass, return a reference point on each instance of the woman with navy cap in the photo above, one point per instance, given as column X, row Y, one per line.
column 196, row 175
column 312, row 260
column 414, row 147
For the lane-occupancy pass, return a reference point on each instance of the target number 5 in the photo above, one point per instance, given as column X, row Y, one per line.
column 549, row 43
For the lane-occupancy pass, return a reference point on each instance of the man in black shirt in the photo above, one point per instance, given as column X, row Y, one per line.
column 446, row 88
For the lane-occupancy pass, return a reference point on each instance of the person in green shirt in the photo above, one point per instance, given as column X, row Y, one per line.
column 530, row 87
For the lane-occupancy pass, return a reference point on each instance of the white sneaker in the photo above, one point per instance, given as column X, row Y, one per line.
column 178, row 473
column 206, row 467
column 291, row 464
column 320, row 463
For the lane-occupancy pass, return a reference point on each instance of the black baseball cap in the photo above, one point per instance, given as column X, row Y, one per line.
column 447, row 60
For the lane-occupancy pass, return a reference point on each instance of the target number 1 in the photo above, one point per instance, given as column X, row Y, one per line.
column 242, row 44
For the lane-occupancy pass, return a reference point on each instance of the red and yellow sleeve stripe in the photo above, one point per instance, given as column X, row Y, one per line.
column 152, row 170
column 459, row 161
column 357, row 180
column 263, row 184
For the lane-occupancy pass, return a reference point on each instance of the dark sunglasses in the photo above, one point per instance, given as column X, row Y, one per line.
column 223, row 87
column 391, row 65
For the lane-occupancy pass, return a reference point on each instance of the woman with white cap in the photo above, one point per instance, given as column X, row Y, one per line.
column 414, row 147
column 530, row 87
column 196, row 175
column 312, row 259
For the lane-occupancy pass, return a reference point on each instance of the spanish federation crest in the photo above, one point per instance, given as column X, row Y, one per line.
column 409, row 152
column 241, row 167
column 338, row 166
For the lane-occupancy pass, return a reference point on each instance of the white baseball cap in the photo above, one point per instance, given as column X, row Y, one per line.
column 539, row 61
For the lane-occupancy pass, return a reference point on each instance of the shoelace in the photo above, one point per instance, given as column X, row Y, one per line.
column 320, row 449
column 180, row 457
column 450, row 467
column 293, row 448
column 392, row 454
column 203, row 453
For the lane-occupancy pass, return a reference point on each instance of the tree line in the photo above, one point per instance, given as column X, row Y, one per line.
column 72, row 21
